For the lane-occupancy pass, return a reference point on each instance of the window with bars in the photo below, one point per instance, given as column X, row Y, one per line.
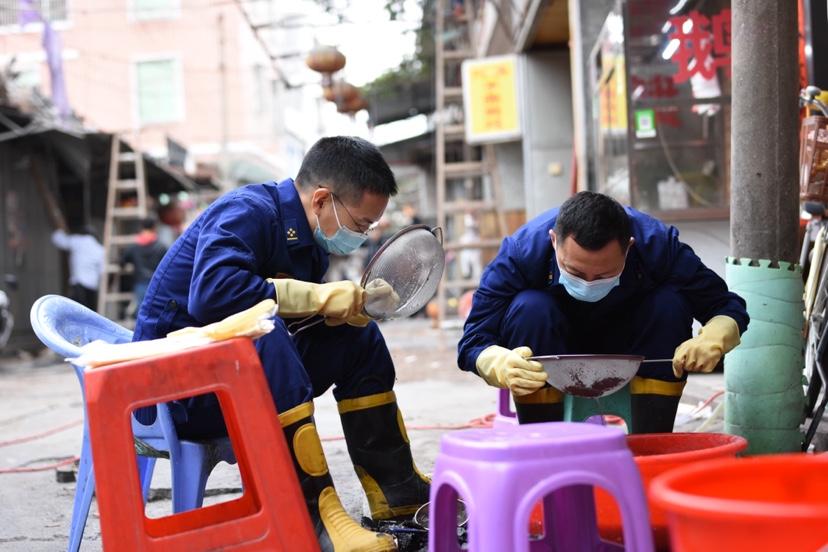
column 154, row 9
column 158, row 91
column 16, row 12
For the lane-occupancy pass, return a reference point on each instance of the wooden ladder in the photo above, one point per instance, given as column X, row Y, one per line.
column 126, row 205
column 468, row 184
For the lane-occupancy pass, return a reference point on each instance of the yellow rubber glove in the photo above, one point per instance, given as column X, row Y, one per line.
column 703, row 352
column 503, row 368
column 297, row 299
column 379, row 297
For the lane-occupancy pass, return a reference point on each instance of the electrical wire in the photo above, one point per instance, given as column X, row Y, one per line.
column 46, row 467
column 42, row 434
column 485, row 421
column 34, row 437
column 674, row 169
column 712, row 419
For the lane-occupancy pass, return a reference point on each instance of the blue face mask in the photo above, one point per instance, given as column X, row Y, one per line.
column 343, row 242
column 590, row 292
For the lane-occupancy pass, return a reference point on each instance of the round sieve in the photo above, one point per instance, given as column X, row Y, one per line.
column 412, row 263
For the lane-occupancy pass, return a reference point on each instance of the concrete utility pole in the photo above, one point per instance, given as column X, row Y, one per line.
column 764, row 202
column 225, row 123
column 763, row 376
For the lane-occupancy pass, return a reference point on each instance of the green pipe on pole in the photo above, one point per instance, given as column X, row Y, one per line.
column 764, row 399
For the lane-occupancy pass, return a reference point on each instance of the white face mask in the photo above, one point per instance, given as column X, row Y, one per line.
column 344, row 240
column 590, row 292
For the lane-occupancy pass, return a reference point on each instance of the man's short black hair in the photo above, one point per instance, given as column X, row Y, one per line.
column 349, row 166
column 148, row 223
column 593, row 220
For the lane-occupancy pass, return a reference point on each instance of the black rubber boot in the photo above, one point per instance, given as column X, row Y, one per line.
column 544, row 405
column 653, row 413
column 335, row 529
column 381, row 453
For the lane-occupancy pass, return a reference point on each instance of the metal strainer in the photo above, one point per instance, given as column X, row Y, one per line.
column 412, row 263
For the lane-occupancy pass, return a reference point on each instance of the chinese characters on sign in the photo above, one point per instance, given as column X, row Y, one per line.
column 703, row 44
column 490, row 99
column 657, row 87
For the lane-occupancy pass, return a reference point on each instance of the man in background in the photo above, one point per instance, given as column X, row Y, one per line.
column 144, row 256
column 86, row 257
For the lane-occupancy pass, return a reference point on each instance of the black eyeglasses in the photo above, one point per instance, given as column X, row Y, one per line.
column 358, row 225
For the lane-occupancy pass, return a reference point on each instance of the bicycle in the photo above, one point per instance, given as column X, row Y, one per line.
column 814, row 260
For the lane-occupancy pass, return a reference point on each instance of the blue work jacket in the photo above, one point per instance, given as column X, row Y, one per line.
column 221, row 263
column 526, row 260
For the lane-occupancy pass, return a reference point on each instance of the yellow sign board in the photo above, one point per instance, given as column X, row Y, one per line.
column 490, row 98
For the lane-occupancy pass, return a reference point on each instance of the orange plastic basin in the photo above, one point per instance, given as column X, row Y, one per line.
column 777, row 502
column 656, row 453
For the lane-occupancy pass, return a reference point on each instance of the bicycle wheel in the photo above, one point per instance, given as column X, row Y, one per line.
column 817, row 318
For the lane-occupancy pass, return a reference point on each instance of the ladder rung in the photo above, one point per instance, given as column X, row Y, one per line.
column 459, row 206
column 457, row 54
column 126, row 185
column 454, row 131
column 127, row 212
column 126, row 157
column 465, row 168
column 456, row 284
column 123, row 239
column 453, row 92
column 480, row 244
column 118, row 269
column 119, row 297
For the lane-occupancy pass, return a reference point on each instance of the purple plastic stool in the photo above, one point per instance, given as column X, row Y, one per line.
column 501, row 473
column 505, row 416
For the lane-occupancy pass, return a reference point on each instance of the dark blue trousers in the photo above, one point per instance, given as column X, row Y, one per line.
column 651, row 324
column 300, row 367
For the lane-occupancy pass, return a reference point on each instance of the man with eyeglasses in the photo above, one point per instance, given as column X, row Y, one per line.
column 594, row 277
column 273, row 240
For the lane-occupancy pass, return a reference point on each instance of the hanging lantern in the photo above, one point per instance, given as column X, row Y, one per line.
column 357, row 103
column 326, row 60
column 340, row 92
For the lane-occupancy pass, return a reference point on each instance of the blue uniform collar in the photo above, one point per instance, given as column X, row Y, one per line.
column 294, row 220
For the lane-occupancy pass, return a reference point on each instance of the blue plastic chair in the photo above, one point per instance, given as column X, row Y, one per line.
column 65, row 326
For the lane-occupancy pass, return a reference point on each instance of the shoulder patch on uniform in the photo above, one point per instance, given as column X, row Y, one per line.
column 291, row 232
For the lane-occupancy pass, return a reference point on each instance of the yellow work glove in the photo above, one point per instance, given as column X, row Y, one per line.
column 703, row 352
column 501, row 367
column 379, row 297
column 297, row 299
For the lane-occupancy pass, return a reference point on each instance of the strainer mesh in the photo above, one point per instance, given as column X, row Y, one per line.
column 412, row 263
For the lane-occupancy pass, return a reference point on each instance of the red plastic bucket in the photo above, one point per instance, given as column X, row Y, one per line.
column 656, row 453
column 777, row 502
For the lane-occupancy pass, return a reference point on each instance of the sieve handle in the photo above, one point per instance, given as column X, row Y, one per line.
column 438, row 233
column 656, row 360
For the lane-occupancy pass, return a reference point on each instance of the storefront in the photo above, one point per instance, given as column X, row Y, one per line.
column 660, row 87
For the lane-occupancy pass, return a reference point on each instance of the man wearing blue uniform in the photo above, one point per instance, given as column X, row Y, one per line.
column 593, row 277
column 273, row 241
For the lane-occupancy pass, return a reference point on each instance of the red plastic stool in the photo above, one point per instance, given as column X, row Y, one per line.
column 271, row 513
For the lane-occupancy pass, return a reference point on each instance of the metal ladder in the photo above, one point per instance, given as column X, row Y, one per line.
column 120, row 226
column 467, row 183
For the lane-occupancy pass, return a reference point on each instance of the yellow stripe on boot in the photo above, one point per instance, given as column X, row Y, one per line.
column 345, row 534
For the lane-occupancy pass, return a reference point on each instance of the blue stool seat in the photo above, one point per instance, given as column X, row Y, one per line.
column 65, row 326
